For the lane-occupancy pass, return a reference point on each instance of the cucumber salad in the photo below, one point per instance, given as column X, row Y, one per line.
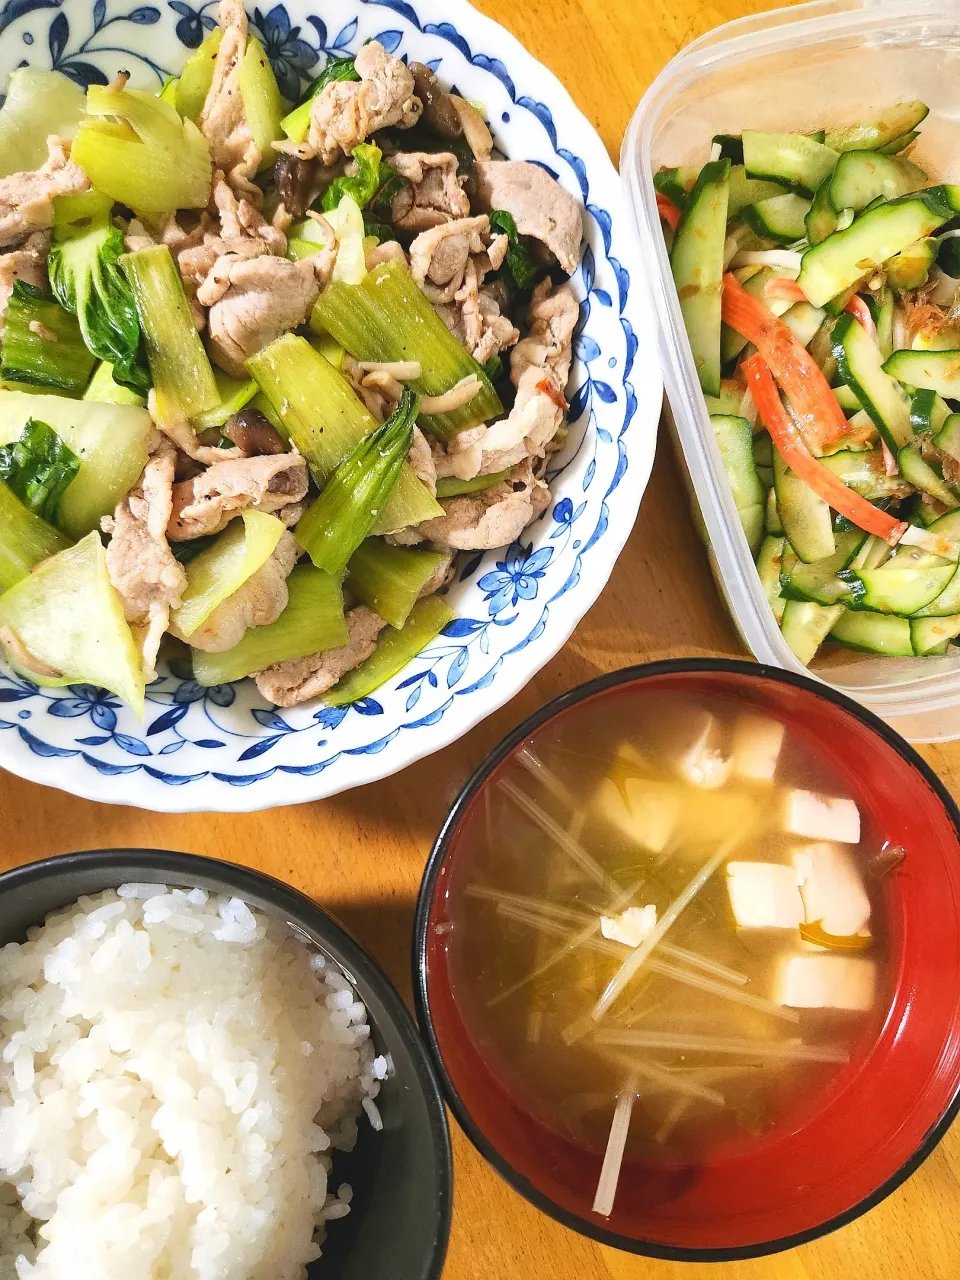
column 819, row 281
column 266, row 368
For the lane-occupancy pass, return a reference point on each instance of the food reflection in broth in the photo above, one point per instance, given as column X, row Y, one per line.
column 674, row 947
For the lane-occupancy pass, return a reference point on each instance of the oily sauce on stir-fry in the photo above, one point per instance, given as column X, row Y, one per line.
column 675, row 946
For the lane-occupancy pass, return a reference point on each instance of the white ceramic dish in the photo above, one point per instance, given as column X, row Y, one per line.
column 225, row 748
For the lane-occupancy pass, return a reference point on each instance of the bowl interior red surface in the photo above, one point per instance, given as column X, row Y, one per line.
column 878, row 1114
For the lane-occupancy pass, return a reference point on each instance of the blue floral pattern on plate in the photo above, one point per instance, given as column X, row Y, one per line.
column 222, row 748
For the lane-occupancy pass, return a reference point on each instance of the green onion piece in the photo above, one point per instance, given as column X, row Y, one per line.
column 182, row 377
column 315, row 407
column 87, row 281
column 49, row 354
column 152, row 160
column 518, row 265
column 197, row 76
column 296, row 124
column 111, row 442
column 312, row 622
column 354, row 496
column 38, row 467
column 385, row 318
column 67, row 614
column 215, row 574
column 103, row 389
column 234, row 395
column 25, row 539
column 453, row 487
column 395, row 650
column 389, row 579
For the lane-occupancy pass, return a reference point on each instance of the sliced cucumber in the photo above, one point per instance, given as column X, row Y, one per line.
column 947, row 438
column 875, row 235
column 731, row 147
column 728, row 401
column 871, row 135
column 821, row 220
column 909, row 269
column 734, row 438
column 676, row 184
column 932, row 635
column 769, row 559
column 928, row 412
column 763, row 450
column 806, row 518
column 805, row 626
column 861, row 176
column 908, row 582
column 946, row 603
column 821, row 348
column 861, row 368
column 921, row 475
column 781, row 218
column 697, row 261
column 847, row 399
column 792, row 159
column 774, row 524
column 864, row 472
column 873, row 633
column 818, row 581
column 744, row 190
column 884, row 311
column 900, row 144
column 804, row 321
column 933, row 370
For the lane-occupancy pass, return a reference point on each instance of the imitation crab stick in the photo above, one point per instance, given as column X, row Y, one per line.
column 860, row 311
column 668, row 211
column 789, row 361
column 789, row 443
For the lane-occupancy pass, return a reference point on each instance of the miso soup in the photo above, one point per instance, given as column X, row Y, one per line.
column 672, row 947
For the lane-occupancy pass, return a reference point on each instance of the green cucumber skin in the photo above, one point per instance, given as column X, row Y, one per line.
column 937, row 371
column 792, row 159
column 873, row 633
column 872, row 135
column 781, row 218
column 931, row 636
column 805, row 626
column 947, row 438
column 697, row 262
column 860, row 366
column 806, row 518
column 861, row 176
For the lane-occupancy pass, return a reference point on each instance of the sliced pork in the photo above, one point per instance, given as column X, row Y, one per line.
column 260, row 601
column 299, row 679
column 433, row 194
column 209, row 501
column 345, row 113
column 26, row 199
column 537, row 203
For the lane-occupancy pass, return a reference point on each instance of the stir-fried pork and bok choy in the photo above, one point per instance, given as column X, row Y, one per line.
column 266, row 368
column 819, row 280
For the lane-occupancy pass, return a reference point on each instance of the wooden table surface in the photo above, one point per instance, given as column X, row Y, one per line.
column 361, row 854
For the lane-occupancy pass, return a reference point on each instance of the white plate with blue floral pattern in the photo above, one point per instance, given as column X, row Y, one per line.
column 225, row 748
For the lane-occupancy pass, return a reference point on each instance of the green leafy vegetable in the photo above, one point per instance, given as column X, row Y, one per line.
column 519, row 267
column 357, row 492
column 42, row 343
column 363, row 185
column 87, row 281
column 295, row 124
column 38, row 467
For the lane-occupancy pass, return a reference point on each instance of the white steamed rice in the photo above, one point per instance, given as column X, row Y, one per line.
column 174, row 1069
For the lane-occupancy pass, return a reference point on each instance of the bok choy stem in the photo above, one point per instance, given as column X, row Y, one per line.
column 396, row 648
column 42, row 343
column 25, row 539
column 354, row 496
column 311, row 623
column 389, row 579
column 182, row 377
column 386, row 318
column 315, row 406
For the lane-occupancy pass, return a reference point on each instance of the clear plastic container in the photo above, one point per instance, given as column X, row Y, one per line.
column 794, row 69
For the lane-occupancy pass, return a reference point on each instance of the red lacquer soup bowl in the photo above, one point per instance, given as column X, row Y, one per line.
column 883, row 1113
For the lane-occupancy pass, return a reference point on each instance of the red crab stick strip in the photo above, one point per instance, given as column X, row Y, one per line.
column 789, row 361
column 860, row 311
column 668, row 211
column 789, row 444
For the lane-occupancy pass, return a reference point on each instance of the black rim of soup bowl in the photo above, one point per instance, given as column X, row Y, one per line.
column 29, row 893
column 582, row 1225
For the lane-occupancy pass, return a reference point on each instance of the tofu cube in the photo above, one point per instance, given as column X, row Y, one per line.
column 702, row 763
column 631, row 927
column 831, row 888
column 764, row 895
column 826, row 982
column 646, row 811
column 756, row 747
column 821, row 817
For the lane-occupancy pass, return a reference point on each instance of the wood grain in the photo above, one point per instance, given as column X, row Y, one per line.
column 362, row 853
